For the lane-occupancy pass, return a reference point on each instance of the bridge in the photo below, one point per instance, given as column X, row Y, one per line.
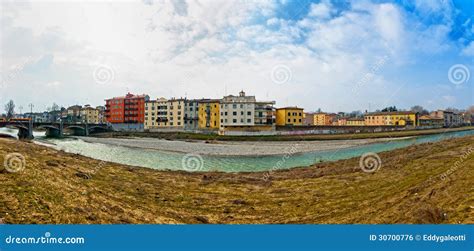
column 55, row 129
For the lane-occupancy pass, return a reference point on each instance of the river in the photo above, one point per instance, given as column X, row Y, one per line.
column 168, row 160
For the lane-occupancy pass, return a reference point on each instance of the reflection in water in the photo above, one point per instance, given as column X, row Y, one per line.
column 178, row 161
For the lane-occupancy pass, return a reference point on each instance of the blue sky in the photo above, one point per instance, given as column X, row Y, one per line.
column 333, row 55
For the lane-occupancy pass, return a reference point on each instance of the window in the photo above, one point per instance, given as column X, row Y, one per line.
column 289, row 114
column 289, row 120
column 234, row 121
column 249, row 121
column 234, row 113
column 249, row 113
column 242, row 113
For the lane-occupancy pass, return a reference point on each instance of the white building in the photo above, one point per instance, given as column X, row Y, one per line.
column 245, row 112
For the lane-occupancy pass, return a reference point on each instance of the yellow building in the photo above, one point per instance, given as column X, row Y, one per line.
column 401, row 118
column 289, row 116
column 176, row 113
column 323, row 118
column 355, row 122
column 89, row 115
column 209, row 114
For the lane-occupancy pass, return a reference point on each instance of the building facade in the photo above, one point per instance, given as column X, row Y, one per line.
column 242, row 112
column 431, row 122
column 289, row 116
column 451, row 119
column 209, row 114
column 324, row 119
column 89, row 115
column 399, row 118
column 73, row 114
column 129, row 109
column 355, row 122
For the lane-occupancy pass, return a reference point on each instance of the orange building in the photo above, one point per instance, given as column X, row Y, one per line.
column 127, row 109
column 323, row 118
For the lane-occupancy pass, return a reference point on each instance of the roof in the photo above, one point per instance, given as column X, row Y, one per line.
column 427, row 117
column 356, row 119
column 390, row 113
column 290, row 108
column 129, row 96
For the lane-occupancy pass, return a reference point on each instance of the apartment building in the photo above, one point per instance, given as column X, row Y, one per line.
column 191, row 114
column 89, row 115
column 129, row 109
column 450, row 118
column 156, row 114
column 399, row 118
column 431, row 122
column 289, row 116
column 209, row 114
column 324, row 119
column 355, row 122
column 242, row 112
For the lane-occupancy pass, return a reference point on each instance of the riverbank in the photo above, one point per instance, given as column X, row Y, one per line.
column 58, row 187
column 234, row 148
column 312, row 137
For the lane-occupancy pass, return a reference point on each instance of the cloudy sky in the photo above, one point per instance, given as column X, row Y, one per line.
column 333, row 55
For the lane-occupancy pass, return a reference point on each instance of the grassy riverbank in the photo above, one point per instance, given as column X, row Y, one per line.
column 58, row 187
column 211, row 137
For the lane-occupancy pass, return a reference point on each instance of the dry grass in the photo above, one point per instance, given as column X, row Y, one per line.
column 58, row 187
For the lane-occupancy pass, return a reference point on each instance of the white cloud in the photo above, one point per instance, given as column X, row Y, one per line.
column 469, row 50
column 203, row 48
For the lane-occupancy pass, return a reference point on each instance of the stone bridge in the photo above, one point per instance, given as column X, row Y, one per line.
column 26, row 128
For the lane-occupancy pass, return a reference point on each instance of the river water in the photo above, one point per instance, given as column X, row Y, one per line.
column 164, row 160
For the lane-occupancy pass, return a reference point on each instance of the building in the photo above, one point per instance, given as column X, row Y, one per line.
column 102, row 118
column 308, row 119
column 431, row 122
column 289, row 116
column 340, row 121
column 265, row 113
column 176, row 113
column 191, row 114
column 355, row 122
column 451, row 119
column 129, row 109
column 324, row 119
column 89, row 115
column 399, row 118
column 209, row 114
column 245, row 113
column 73, row 114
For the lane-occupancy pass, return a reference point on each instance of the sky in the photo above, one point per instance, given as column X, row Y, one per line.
column 330, row 55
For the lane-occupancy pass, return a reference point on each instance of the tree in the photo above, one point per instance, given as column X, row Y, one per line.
column 55, row 107
column 390, row 109
column 10, row 109
column 419, row 109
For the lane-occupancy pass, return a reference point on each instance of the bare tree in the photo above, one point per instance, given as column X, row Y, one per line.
column 10, row 109
column 55, row 107
column 419, row 109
